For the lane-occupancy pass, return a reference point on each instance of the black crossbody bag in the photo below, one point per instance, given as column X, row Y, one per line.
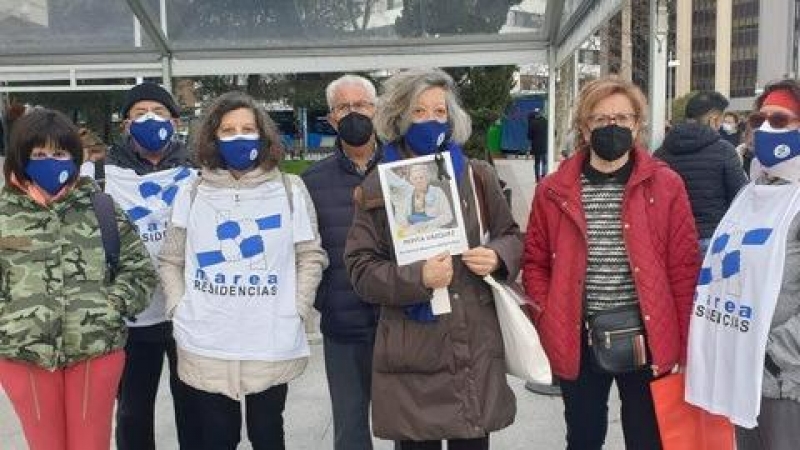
column 617, row 340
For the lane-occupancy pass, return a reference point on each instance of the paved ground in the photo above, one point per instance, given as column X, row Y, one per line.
column 539, row 423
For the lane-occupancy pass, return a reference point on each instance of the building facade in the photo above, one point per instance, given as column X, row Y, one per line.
column 735, row 46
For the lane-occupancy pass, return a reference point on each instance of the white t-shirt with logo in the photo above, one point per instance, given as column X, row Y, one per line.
column 147, row 200
column 240, row 272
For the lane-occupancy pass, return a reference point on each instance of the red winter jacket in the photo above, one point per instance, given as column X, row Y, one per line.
column 660, row 235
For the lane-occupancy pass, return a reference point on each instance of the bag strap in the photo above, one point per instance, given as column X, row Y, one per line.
column 478, row 204
column 287, row 184
column 103, row 206
column 100, row 173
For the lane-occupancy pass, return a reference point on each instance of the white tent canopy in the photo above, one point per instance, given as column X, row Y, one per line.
column 66, row 45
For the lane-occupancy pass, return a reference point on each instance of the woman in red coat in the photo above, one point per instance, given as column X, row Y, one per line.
column 611, row 230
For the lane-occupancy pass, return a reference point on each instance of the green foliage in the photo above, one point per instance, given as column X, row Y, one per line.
column 295, row 166
column 91, row 109
column 485, row 92
column 679, row 107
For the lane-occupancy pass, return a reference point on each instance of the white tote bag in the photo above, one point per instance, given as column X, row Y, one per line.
column 524, row 355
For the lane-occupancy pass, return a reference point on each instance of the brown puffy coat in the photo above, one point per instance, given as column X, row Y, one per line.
column 443, row 379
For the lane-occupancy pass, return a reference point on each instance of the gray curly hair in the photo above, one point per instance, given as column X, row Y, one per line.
column 393, row 116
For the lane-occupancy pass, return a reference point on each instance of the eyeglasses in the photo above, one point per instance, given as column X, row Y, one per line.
column 622, row 119
column 359, row 107
column 777, row 120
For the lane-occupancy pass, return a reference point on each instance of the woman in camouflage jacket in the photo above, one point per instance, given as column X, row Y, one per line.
column 61, row 310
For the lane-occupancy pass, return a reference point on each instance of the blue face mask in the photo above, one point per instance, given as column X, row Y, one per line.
column 778, row 151
column 773, row 146
column 239, row 152
column 152, row 132
column 51, row 174
column 425, row 137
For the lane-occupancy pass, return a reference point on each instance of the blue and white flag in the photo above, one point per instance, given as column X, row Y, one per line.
column 734, row 302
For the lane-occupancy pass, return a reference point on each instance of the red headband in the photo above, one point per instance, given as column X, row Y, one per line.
column 783, row 98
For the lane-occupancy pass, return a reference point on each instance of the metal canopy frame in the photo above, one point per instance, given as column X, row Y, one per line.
column 166, row 59
column 558, row 39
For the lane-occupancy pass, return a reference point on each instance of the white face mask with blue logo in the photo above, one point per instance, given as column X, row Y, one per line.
column 152, row 132
column 239, row 152
column 777, row 151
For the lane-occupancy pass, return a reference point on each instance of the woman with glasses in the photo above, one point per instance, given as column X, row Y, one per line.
column 758, row 354
column 611, row 234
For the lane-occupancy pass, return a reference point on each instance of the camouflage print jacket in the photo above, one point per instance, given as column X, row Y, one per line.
column 56, row 307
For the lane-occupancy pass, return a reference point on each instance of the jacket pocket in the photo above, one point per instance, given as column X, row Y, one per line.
column 407, row 346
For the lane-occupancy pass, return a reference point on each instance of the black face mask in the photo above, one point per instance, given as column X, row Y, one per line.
column 355, row 129
column 611, row 142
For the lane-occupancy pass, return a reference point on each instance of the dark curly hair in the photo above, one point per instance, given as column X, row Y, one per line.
column 205, row 142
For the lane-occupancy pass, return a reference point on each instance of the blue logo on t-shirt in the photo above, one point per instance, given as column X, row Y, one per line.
column 156, row 196
column 234, row 244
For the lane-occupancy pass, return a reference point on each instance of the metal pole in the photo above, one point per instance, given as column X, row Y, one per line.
column 551, row 107
column 658, row 70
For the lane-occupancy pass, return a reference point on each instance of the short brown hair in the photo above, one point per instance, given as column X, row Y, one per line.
column 205, row 142
column 40, row 128
column 597, row 90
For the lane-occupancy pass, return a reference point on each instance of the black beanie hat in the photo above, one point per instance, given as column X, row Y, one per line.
column 149, row 91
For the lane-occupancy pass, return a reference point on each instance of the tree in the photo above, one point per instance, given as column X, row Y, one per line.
column 679, row 107
column 485, row 91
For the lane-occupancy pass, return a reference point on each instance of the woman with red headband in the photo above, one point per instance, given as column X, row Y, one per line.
column 744, row 338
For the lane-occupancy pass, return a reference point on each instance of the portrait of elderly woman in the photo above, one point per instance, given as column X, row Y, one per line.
column 419, row 205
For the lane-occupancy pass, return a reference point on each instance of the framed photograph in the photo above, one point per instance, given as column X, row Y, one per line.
column 423, row 207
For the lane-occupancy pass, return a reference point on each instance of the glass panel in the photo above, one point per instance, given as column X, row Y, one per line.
column 570, row 7
column 211, row 24
column 65, row 26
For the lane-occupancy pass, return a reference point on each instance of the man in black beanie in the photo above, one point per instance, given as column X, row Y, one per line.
column 142, row 173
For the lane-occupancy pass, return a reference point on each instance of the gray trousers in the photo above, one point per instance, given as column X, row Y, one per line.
column 348, row 366
column 778, row 427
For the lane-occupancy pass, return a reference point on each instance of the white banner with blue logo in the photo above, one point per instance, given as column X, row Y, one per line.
column 735, row 299
column 240, row 300
column 148, row 199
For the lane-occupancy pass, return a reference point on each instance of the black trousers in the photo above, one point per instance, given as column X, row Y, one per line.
column 452, row 444
column 221, row 419
column 144, row 360
column 586, row 407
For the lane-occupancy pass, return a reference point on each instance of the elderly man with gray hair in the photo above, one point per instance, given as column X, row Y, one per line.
column 347, row 322
column 435, row 377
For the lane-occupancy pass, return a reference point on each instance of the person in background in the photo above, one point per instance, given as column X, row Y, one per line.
column 240, row 264
column 537, row 134
column 441, row 377
column 94, row 151
column 61, row 323
column 142, row 174
column 611, row 230
column 731, row 129
column 707, row 163
column 347, row 322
